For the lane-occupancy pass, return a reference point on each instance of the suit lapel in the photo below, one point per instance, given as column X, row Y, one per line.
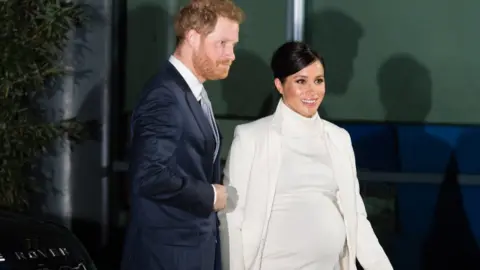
column 193, row 103
column 199, row 115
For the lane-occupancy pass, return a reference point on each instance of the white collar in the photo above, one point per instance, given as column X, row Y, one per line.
column 289, row 122
column 195, row 85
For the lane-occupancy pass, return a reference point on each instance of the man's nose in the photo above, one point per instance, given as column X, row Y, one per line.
column 230, row 55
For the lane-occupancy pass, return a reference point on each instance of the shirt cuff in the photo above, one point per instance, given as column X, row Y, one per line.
column 214, row 195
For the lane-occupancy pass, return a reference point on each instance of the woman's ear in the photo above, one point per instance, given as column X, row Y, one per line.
column 278, row 85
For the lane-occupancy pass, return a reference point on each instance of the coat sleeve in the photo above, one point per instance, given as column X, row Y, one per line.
column 370, row 253
column 236, row 178
column 157, row 130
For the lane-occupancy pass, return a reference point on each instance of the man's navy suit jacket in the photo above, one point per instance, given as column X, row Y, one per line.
column 172, row 171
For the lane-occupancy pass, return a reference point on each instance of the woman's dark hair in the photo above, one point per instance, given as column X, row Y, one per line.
column 292, row 57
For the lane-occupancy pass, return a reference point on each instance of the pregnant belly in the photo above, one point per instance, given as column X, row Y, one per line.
column 305, row 228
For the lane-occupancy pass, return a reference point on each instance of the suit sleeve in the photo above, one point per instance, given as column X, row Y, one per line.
column 236, row 179
column 156, row 133
column 370, row 253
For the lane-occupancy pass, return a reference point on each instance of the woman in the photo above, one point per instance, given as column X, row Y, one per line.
column 294, row 201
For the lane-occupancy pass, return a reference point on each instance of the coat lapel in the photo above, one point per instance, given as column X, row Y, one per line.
column 259, row 201
column 341, row 171
column 343, row 174
column 274, row 150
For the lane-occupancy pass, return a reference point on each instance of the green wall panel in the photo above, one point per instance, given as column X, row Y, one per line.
column 399, row 60
column 149, row 35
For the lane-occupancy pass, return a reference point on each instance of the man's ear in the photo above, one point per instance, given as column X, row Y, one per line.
column 278, row 85
column 192, row 37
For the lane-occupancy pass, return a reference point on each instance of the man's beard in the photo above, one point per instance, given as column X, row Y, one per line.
column 209, row 69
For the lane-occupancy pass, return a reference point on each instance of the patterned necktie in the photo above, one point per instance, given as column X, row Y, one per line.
column 207, row 109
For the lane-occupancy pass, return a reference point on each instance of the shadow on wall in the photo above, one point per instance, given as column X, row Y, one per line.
column 405, row 89
column 406, row 94
column 468, row 150
column 147, row 46
column 249, row 90
column 450, row 244
column 335, row 36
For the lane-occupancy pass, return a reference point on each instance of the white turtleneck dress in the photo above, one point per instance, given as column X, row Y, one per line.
column 306, row 230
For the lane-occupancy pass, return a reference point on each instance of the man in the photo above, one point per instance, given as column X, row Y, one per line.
column 175, row 150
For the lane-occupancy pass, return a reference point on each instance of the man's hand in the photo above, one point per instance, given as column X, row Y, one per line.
column 221, row 200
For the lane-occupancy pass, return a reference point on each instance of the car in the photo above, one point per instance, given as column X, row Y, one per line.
column 28, row 243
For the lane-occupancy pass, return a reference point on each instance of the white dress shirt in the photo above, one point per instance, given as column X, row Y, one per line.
column 192, row 81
